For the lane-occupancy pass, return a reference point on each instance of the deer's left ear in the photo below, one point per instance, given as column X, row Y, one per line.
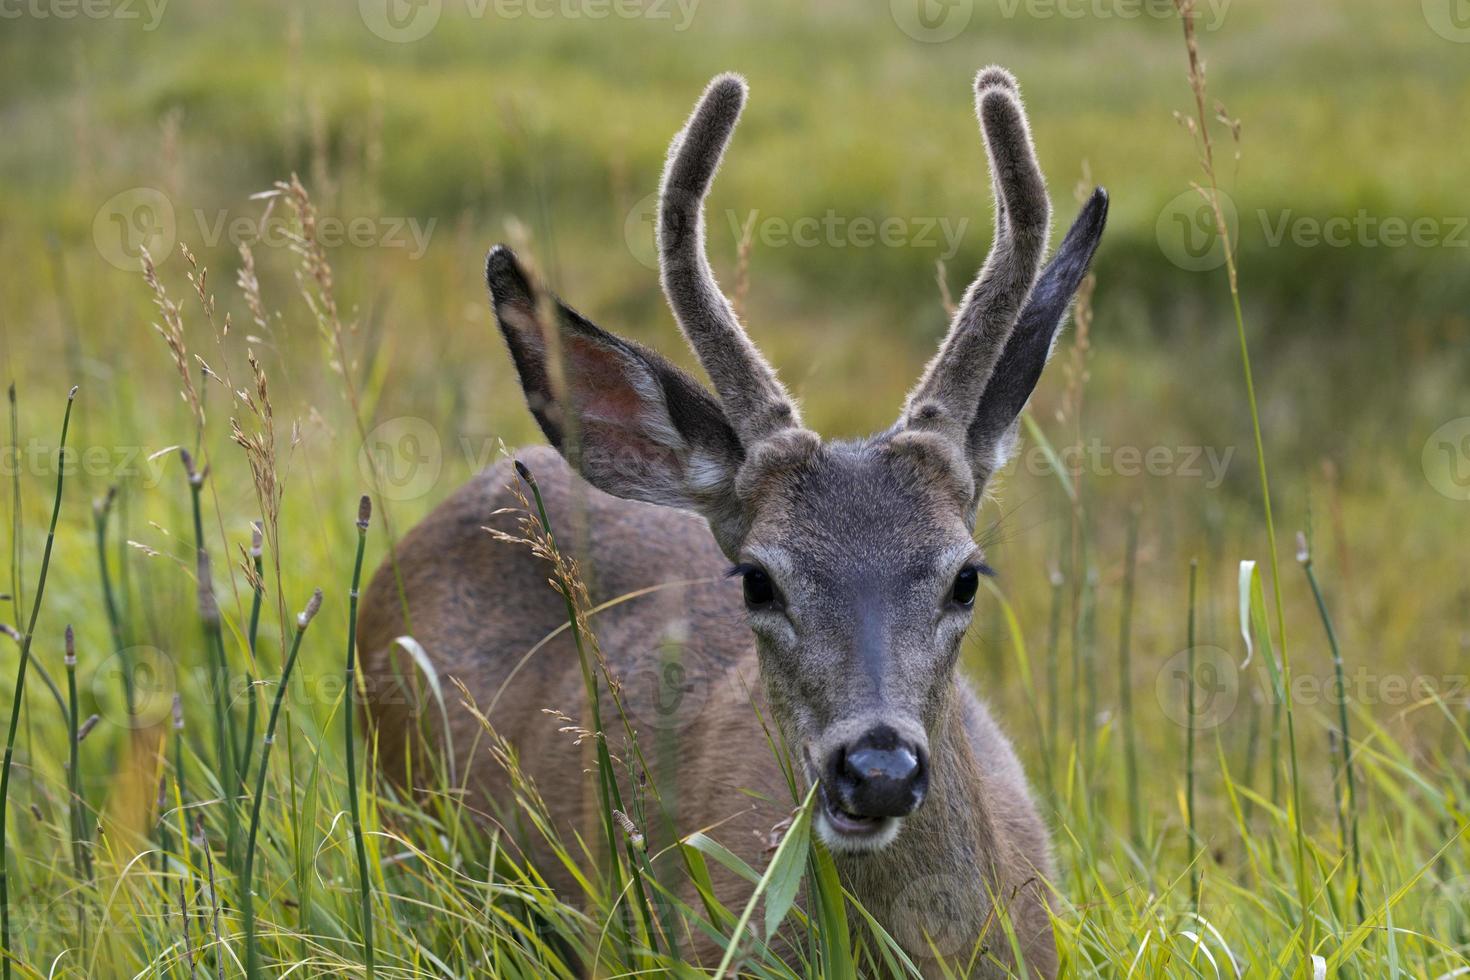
column 992, row 432
column 631, row 423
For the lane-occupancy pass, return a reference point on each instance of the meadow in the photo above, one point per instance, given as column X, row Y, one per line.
column 1303, row 815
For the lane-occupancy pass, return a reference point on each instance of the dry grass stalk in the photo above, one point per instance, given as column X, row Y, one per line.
column 941, row 279
column 259, row 445
column 172, row 332
column 566, row 577
column 315, row 279
column 742, row 267
column 249, row 284
column 317, row 284
column 1198, row 128
column 198, row 276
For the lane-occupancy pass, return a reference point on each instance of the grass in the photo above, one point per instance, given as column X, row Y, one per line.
column 247, row 878
column 1295, row 825
column 349, row 742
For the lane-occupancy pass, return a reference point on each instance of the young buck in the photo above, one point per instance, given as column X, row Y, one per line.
column 857, row 569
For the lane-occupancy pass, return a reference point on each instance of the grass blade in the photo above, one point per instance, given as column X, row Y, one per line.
column 7, row 951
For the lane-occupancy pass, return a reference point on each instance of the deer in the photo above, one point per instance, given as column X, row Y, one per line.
column 821, row 588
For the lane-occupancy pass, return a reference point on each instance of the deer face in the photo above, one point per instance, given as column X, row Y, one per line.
column 859, row 577
column 856, row 559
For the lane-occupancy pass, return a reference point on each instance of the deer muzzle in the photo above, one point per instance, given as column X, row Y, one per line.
column 879, row 775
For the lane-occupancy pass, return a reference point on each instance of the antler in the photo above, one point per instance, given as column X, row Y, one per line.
column 754, row 400
column 947, row 394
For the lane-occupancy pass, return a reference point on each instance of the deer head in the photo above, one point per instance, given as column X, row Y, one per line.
column 857, row 558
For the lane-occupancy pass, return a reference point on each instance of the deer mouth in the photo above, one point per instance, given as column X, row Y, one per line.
column 843, row 830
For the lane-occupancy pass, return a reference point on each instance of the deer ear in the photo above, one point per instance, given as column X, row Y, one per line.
column 630, row 422
column 991, row 434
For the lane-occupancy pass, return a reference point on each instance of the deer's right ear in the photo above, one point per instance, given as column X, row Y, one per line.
column 630, row 422
column 992, row 432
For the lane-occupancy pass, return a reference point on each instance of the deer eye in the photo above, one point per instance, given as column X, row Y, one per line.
column 758, row 588
column 966, row 584
column 760, row 591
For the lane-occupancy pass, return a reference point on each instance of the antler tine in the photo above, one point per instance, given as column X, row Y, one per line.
column 754, row 400
column 947, row 395
column 994, row 76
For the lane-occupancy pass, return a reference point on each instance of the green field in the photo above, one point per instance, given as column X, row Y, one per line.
column 129, row 125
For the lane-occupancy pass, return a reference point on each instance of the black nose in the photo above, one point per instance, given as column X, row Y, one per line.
column 879, row 775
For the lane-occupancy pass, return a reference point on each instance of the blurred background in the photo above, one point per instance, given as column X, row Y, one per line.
column 430, row 130
column 427, row 130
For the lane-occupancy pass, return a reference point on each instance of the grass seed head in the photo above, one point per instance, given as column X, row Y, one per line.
column 313, row 606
